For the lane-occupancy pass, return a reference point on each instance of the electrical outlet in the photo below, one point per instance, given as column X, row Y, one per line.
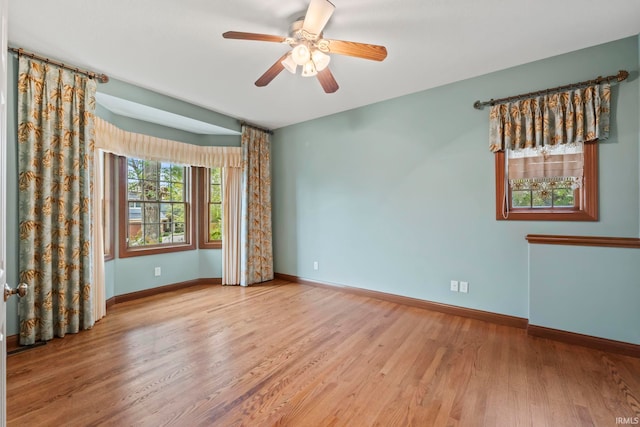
column 454, row 286
column 157, row 271
column 464, row 287
column 315, row 265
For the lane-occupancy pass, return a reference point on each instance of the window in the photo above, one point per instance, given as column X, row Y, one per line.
column 107, row 163
column 557, row 201
column 211, row 213
column 155, row 208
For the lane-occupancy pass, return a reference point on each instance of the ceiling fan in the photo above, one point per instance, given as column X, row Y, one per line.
column 309, row 49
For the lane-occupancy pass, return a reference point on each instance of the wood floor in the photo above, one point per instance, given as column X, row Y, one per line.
column 296, row 355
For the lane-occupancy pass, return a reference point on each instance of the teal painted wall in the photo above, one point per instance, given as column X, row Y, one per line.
column 398, row 196
column 110, row 279
column 137, row 273
column 586, row 290
column 159, row 131
column 143, row 96
column 124, row 275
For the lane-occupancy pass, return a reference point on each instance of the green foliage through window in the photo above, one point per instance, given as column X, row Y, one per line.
column 552, row 198
column 215, row 204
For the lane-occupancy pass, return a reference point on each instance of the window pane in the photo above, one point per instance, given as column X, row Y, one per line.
column 151, row 170
column 135, row 213
column 177, row 192
column 179, row 210
column 151, row 213
column 151, row 234
column 542, row 199
column 135, row 234
column 216, row 194
column 134, row 189
column 215, row 222
column 521, row 199
column 178, row 228
column 178, row 235
column 150, row 190
column 215, row 176
column 165, row 171
column 165, row 191
column 135, row 169
column 166, row 219
column 177, row 173
column 563, row 197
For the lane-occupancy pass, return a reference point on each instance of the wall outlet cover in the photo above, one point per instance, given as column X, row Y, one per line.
column 464, row 287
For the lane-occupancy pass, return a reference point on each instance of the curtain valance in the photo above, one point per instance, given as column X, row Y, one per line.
column 114, row 140
column 569, row 117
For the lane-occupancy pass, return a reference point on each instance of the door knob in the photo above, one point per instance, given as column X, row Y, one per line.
column 21, row 290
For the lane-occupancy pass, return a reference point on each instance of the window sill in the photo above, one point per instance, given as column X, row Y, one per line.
column 154, row 250
column 210, row 245
column 546, row 215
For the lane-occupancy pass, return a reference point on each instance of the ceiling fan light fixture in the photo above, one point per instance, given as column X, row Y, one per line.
column 309, row 69
column 320, row 60
column 289, row 64
column 301, row 54
column 309, row 49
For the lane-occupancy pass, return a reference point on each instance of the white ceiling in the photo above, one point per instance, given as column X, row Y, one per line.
column 176, row 47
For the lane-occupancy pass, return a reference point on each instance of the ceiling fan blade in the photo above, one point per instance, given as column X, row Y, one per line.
column 317, row 16
column 328, row 82
column 272, row 72
column 359, row 50
column 253, row 36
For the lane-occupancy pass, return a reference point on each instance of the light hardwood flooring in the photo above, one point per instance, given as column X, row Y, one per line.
column 297, row 355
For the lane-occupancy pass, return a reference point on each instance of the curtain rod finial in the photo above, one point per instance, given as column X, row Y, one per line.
column 622, row 75
column 477, row 105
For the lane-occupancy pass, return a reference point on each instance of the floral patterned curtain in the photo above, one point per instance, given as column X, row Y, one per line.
column 256, row 252
column 543, row 136
column 56, row 155
column 577, row 115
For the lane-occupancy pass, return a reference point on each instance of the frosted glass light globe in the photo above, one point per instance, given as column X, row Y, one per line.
column 301, row 54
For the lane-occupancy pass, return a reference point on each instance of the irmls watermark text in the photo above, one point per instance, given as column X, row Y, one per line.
column 628, row 420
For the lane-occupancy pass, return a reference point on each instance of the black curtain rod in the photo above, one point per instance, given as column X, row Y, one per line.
column 269, row 131
column 101, row 78
column 622, row 75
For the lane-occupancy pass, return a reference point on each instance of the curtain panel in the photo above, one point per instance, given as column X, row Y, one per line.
column 55, row 165
column 232, row 214
column 256, row 250
column 117, row 141
column 99, row 294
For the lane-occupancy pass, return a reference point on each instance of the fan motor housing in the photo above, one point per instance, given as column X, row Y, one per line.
column 295, row 30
